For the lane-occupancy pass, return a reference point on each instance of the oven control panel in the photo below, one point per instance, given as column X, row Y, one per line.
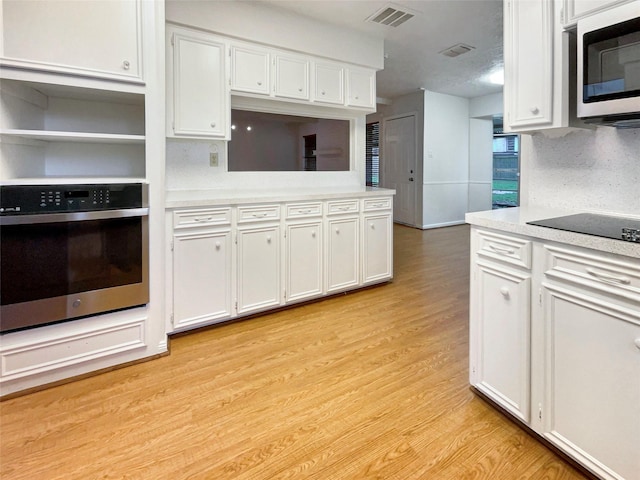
column 34, row 199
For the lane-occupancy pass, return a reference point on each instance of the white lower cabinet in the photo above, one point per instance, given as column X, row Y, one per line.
column 342, row 253
column 201, row 277
column 591, row 363
column 377, row 238
column 235, row 260
column 559, row 346
column 303, row 260
column 258, row 267
column 503, row 360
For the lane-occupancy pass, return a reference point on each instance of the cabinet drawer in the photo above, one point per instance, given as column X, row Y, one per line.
column 258, row 213
column 303, row 210
column 593, row 270
column 377, row 204
column 513, row 250
column 342, row 206
column 201, row 217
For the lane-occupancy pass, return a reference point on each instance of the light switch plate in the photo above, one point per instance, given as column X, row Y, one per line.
column 213, row 159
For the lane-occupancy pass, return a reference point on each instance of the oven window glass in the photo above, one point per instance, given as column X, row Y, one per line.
column 612, row 62
column 55, row 259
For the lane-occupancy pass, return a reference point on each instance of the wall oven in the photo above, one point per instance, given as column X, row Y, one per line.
column 69, row 251
column 609, row 67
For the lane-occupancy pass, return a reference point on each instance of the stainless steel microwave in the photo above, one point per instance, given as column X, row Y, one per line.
column 609, row 67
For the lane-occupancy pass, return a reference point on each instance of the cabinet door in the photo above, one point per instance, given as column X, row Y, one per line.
column 528, row 53
column 249, row 70
column 292, row 77
column 201, row 277
column 94, row 38
column 342, row 253
column 258, row 268
column 361, row 88
column 574, row 10
column 303, row 260
column 328, row 83
column 200, row 95
column 500, row 317
column 592, row 380
column 377, row 244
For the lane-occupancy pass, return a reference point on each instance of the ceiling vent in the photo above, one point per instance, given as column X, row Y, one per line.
column 390, row 15
column 456, row 50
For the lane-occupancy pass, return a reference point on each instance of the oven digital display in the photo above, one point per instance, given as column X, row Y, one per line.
column 76, row 194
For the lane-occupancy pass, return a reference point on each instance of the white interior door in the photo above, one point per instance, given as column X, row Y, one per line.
column 399, row 166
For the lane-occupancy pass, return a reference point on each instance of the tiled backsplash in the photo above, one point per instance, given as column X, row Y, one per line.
column 592, row 170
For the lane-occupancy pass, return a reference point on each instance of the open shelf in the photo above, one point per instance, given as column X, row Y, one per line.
column 77, row 137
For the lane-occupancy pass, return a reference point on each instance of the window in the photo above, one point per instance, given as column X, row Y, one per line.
column 373, row 154
column 506, row 168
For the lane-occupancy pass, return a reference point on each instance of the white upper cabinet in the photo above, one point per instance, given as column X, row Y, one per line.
column 361, row 85
column 575, row 10
column 539, row 68
column 328, row 83
column 250, row 69
column 287, row 76
column 528, row 52
column 291, row 76
column 98, row 39
column 198, row 103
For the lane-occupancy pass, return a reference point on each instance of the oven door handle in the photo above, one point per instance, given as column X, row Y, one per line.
column 73, row 216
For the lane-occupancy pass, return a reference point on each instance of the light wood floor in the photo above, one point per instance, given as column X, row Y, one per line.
column 368, row 385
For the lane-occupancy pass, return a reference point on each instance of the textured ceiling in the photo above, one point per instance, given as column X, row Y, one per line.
column 411, row 49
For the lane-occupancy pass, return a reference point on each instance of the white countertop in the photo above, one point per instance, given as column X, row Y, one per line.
column 514, row 220
column 213, row 197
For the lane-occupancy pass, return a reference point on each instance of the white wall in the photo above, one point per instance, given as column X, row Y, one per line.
column 261, row 23
column 480, row 164
column 407, row 104
column 481, row 110
column 597, row 171
column 445, row 160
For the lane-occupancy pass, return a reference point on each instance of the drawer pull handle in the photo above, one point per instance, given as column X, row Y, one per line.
column 207, row 219
column 304, row 211
column 505, row 292
column 606, row 277
column 637, row 342
column 502, row 250
column 378, row 205
column 259, row 215
column 343, row 209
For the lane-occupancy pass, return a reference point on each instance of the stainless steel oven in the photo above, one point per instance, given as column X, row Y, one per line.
column 69, row 251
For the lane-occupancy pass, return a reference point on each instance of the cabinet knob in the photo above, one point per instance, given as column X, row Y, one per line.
column 217, row 245
column 505, row 292
column 126, row 65
column 356, row 97
column 313, row 234
column 637, row 342
column 259, row 83
column 373, row 227
column 322, row 92
column 268, row 238
column 300, row 89
column 534, row 110
column 213, row 125
column 337, row 230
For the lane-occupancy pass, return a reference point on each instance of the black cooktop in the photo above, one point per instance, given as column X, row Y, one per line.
column 599, row 225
